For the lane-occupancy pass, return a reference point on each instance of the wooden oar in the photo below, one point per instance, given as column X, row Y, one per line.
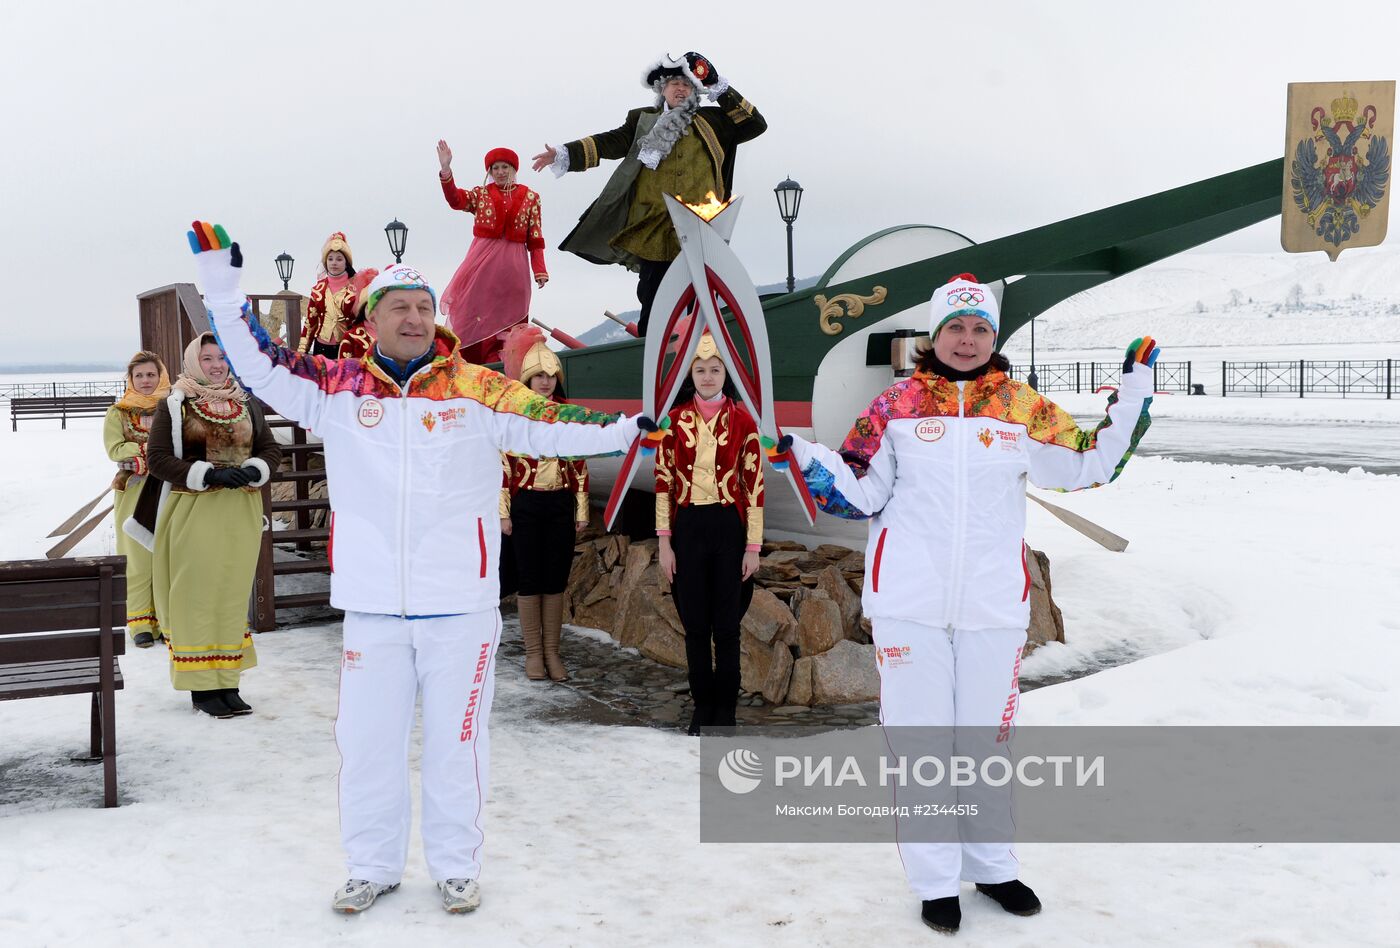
column 77, row 518
column 73, row 539
column 1104, row 538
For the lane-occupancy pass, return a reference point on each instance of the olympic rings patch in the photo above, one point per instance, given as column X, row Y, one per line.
column 964, row 297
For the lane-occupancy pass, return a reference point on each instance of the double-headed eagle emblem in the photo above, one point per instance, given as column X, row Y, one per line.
column 1338, row 189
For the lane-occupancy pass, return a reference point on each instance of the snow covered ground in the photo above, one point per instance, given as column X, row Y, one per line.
column 1255, row 595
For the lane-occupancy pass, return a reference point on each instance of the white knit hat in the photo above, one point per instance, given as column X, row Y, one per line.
column 963, row 296
column 398, row 276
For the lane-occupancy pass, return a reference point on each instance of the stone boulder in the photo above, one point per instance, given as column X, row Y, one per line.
column 833, row 583
column 775, row 684
column 768, row 620
column 819, row 624
column 664, row 644
column 800, row 684
column 1047, row 622
column 846, row 674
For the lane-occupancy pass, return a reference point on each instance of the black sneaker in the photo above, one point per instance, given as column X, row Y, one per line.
column 235, row 703
column 1015, row 896
column 943, row 915
column 210, row 703
column 143, row 640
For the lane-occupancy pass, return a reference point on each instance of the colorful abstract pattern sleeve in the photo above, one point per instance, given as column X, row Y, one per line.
column 857, row 482
column 1065, row 457
column 533, row 426
column 294, row 384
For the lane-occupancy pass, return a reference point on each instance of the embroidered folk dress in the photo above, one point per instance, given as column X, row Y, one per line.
column 124, row 433
column 207, row 539
column 490, row 292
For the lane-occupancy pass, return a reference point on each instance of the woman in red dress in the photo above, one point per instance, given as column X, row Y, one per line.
column 490, row 291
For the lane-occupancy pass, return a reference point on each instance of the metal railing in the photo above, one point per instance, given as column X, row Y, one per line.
column 1346, row 378
column 1092, row 376
column 115, row 388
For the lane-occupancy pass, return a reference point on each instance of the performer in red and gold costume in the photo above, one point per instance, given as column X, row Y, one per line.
column 490, row 292
column 709, row 524
column 544, row 502
column 333, row 327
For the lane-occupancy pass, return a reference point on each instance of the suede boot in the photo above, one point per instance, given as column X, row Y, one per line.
column 552, row 621
column 529, row 610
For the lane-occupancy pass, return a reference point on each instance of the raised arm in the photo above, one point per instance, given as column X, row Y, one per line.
column 1065, row 457
column 293, row 384
column 589, row 150
column 857, row 482
column 531, row 425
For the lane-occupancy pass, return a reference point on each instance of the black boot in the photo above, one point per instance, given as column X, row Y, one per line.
column 699, row 719
column 943, row 915
column 1015, row 896
column 235, row 702
column 143, row 640
column 211, row 703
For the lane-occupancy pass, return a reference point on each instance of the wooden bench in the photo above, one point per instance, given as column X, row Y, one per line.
column 62, row 625
column 62, row 407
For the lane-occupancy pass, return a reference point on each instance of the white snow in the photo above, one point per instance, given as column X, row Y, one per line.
column 1258, row 595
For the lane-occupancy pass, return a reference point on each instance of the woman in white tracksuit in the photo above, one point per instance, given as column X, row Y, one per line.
column 939, row 464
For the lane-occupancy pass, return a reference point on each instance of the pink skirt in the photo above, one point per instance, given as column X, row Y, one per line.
column 490, row 292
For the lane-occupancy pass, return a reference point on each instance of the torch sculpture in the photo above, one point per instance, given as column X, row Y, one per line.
column 705, row 276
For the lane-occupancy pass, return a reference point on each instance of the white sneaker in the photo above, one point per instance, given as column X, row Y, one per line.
column 357, row 895
column 460, row 896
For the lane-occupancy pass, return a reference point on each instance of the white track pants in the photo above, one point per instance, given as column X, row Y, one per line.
column 386, row 662
column 949, row 679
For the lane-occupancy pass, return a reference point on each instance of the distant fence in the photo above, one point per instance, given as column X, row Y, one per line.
column 115, row 388
column 1348, row 378
column 1092, row 376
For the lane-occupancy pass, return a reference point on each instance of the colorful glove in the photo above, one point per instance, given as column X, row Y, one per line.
column 702, row 69
column 219, row 261
column 777, row 451
column 1142, row 351
column 653, row 434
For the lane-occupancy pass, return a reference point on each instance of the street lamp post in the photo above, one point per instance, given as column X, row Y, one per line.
column 398, row 238
column 1033, row 380
column 789, row 195
column 284, row 263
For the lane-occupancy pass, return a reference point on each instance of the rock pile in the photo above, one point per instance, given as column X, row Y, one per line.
column 803, row 641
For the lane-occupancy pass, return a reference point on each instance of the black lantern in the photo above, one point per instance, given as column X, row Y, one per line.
column 284, row 263
column 789, row 195
column 1033, row 380
column 398, row 238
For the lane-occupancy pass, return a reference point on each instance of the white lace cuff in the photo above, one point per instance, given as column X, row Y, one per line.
column 649, row 157
column 560, row 165
column 718, row 89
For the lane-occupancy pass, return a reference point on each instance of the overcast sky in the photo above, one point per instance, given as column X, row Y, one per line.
column 288, row 120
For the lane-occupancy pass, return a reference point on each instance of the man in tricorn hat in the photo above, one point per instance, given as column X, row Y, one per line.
column 628, row 223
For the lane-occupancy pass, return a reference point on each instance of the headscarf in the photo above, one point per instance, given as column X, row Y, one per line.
column 134, row 400
column 196, row 386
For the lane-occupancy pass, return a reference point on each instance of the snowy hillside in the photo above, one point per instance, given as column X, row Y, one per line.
column 1238, row 300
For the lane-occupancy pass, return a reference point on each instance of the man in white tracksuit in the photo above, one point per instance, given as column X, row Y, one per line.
column 939, row 464
column 412, row 437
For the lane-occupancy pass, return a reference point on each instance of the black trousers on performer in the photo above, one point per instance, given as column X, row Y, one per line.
column 711, row 599
column 328, row 349
column 541, row 543
column 648, row 282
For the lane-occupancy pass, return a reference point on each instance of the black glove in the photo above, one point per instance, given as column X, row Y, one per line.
column 645, row 424
column 702, row 69
column 227, row 477
column 785, row 444
column 254, row 473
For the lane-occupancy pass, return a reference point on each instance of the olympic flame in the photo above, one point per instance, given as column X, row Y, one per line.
column 709, row 210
